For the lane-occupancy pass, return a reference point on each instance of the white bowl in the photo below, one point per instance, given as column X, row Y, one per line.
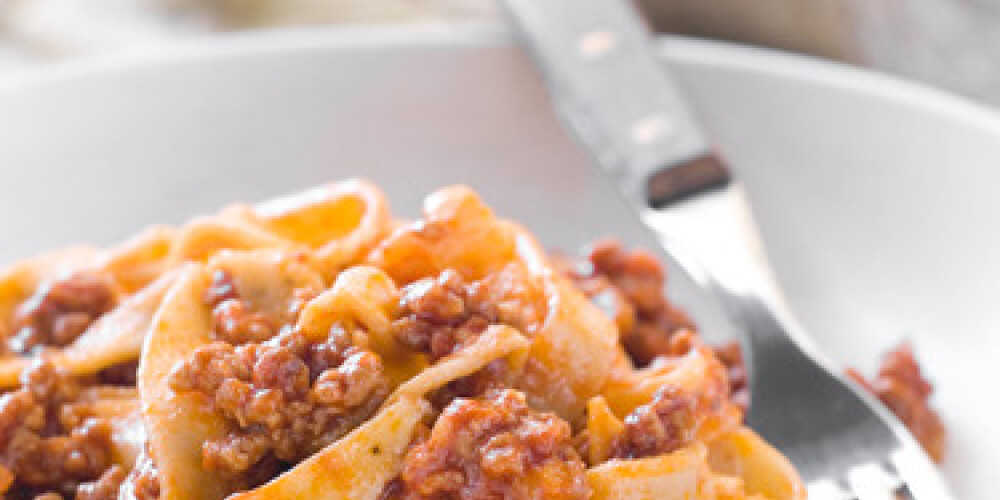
column 876, row 198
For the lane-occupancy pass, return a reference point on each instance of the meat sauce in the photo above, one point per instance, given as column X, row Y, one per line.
column 59, row 311
column 51, row 444
column 286, row 396
column 901, row 386
column 493, row 447
column 629, row 286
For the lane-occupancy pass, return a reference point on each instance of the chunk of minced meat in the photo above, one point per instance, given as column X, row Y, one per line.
column 731, row 356
column 143, row 481
column 233, row 320
column 61, row 310
column 105, row 487
column 440, row 314
column 663, row 425
column 630, row 287
column 121, row 374
column 491, row 448
column 901, row 386
column 287, row 397
column 497, row 374
column 50, row 443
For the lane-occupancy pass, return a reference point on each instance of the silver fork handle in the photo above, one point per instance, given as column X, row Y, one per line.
column 625, row 107
column 611, row 89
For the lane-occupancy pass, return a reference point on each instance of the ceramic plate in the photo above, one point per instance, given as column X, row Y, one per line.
column 876, row 198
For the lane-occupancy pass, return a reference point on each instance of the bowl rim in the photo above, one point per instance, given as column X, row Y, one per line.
column 688, row 51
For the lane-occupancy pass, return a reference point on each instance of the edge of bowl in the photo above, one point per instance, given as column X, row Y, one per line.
column 690, row 51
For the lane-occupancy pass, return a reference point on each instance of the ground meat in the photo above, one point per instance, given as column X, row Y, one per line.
column 122, row 374
column 731, row 355
column 233, row 319
column 49, row 443
column 60, row 311
column 105, row 488
column 221, row 289
column 494, row 448
column 495, row 375
column 663, row 425
column 393, row 490
column 143, row 482
column 629, row 286
column 287, row 397
column 235, row 323
column 441, row 314
column 901, row 386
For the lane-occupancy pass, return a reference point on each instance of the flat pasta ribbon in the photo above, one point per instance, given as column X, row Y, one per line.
column 573, row 344
column 681, row 475
column 20, row 280
column 141, row 259
column 178, row 424
column 205, row 236
column 762, row 469
column 121, row 408
column 340, row 222
column 697, row 372
column 355, row 467
column 497, row 342
column 363, row 300
column 334, row 275
column 336, row 223
column 116, row 337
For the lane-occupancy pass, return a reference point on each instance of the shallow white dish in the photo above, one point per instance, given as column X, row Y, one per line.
column 876, row 198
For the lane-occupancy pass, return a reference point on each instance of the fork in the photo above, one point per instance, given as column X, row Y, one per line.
column 624, row 106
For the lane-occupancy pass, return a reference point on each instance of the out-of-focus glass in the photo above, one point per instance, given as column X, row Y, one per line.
column 950, row 43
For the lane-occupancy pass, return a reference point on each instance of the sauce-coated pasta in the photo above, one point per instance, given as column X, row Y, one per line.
column 315, row 347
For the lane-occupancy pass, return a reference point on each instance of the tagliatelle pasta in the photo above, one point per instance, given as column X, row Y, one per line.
column 677, row 475
column 315, row 347
column 115, row 337
column 359, row 465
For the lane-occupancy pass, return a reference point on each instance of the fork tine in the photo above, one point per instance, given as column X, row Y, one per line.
column 920, row 476
column 798, row 401
column 872, row 481
column 827, row 489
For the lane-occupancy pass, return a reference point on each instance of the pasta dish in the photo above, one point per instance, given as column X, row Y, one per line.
column 315, row 347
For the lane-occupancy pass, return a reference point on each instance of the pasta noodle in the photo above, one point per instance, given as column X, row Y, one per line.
column 314, row 347
column 114, row 338
column 178, row 424
column 495, row 343
column 358, row 466
column 679, row 475
column 742, row 453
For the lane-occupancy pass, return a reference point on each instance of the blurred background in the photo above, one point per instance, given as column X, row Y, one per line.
column 948, row 43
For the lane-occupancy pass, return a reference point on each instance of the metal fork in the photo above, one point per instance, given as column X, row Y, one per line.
column 625, row 108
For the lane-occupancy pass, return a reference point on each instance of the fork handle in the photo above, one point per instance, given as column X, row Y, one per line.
column 614, row 92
